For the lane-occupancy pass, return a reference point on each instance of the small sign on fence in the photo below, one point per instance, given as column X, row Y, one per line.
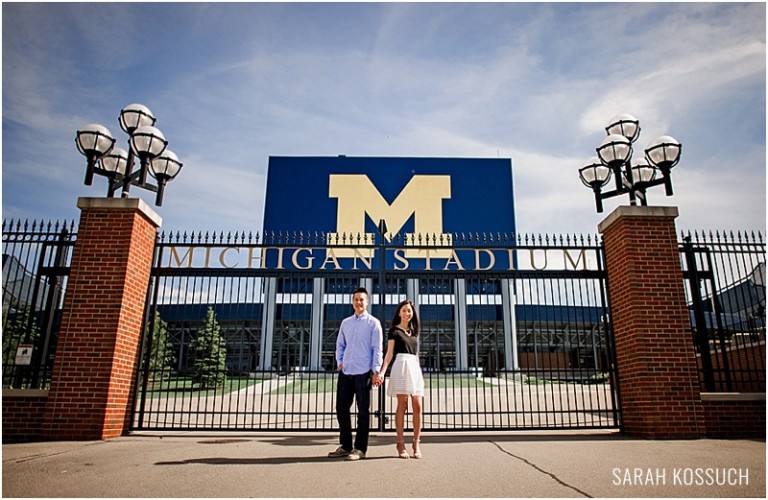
column 24, row 355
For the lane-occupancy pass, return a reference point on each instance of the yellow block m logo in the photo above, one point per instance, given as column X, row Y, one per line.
column 422, row 197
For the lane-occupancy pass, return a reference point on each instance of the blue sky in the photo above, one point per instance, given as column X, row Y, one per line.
column 232, row 84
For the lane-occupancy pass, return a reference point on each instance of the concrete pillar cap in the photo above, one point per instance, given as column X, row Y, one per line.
column 636, row 211
column 121, row 204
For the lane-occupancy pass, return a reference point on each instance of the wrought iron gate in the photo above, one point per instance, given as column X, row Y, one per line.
column 725, row 284
column 36, row 259
column 523, row 345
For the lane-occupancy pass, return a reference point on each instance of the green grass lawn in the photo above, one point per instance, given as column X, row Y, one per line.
column 319, row 383
column 327, row 383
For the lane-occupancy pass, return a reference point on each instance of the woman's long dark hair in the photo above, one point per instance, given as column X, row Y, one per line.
column 414, row 324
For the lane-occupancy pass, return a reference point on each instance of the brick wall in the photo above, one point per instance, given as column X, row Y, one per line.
column 23, row 414
column 657, row 366
column 735, row 415
column 98, row 348
column 544, row 361
column 745, row 367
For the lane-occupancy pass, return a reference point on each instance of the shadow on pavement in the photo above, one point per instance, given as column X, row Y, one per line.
column 262, row 461
column 326, row 439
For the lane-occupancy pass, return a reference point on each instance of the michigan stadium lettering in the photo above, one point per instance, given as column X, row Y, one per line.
column 398, row 259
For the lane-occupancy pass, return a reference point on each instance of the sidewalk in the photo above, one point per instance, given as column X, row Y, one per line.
column 483, row 464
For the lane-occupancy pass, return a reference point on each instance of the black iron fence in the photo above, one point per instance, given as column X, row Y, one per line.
column 36, row 259
column 725, row 287
column 242, row 330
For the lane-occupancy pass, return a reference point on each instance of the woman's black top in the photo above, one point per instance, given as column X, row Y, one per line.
column 403, row 343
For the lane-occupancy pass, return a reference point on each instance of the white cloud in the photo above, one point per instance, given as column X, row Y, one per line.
column 534, row 82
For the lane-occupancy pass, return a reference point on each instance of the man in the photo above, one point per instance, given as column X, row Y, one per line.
column 359, row 357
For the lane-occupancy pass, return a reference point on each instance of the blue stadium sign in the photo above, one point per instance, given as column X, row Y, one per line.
column 347, row 196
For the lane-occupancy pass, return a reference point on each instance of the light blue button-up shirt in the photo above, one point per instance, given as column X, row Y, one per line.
column 359, row 344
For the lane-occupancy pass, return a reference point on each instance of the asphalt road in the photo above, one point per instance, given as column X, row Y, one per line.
column 465, row 465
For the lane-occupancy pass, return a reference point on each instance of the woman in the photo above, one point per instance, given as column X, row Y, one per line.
column 406, row 378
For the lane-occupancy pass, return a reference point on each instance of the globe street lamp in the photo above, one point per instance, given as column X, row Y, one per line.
column 632, row 177
column 145, row 141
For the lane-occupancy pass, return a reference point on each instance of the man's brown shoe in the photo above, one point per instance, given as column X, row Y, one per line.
column 339, row 453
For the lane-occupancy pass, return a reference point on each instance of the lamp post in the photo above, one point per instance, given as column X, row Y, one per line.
column 632, row 177
column 145, row 141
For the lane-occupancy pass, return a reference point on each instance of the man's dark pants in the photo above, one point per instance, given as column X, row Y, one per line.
column 349, row 388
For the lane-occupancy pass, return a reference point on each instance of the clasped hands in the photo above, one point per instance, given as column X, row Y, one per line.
column 378, row 378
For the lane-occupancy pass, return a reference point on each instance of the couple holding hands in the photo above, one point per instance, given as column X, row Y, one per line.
column 360, row 365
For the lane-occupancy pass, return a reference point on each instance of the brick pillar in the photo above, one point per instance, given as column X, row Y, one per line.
column 658, row 376
column 98, row 346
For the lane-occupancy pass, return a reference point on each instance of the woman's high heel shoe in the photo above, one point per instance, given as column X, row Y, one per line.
column 401, row 451
column 416, row 450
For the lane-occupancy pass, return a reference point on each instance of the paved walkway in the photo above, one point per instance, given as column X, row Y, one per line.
column 512, row 464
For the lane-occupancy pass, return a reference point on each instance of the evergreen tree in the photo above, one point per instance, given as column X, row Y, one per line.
column 161, row 355
column 208, row 351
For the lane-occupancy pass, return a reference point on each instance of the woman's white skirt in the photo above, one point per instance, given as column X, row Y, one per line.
column 406, row 377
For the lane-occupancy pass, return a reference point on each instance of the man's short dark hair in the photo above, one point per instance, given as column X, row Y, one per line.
column 360, row 290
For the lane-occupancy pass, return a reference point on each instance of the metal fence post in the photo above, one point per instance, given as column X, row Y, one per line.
column 701, row 335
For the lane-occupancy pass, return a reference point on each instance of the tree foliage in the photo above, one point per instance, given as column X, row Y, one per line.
column 161, row 356
column 208, row 351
